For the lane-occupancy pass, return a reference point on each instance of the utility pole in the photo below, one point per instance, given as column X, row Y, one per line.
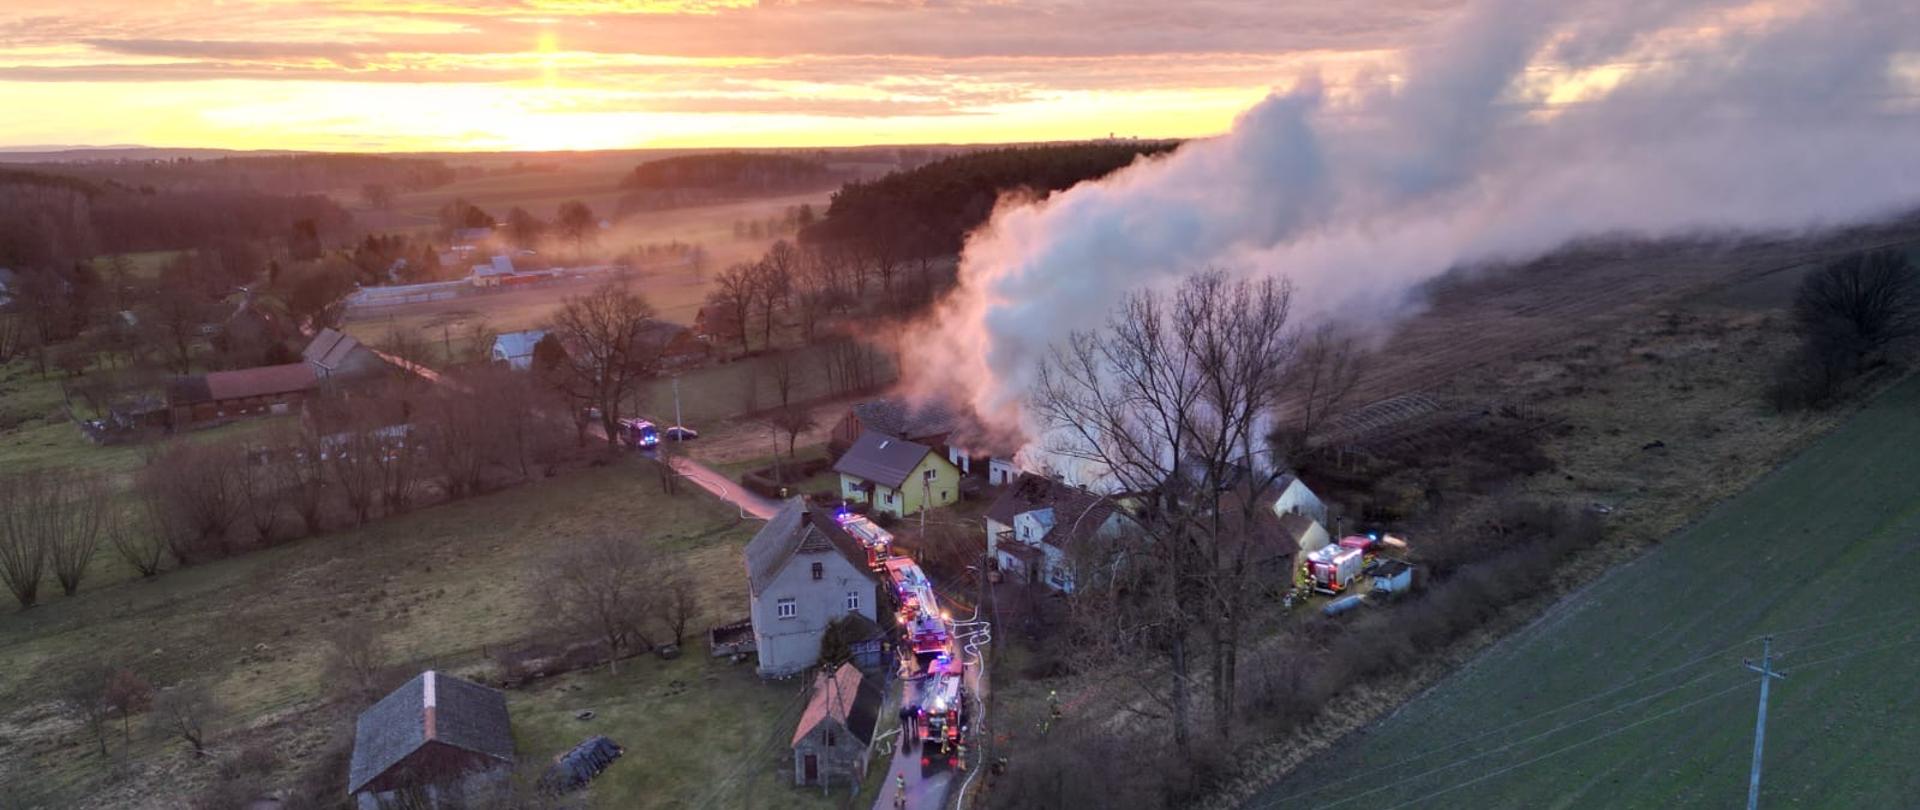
column 1765, row 668
column 676, row 403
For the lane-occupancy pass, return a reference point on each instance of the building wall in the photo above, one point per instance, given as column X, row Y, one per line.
column 944, row 489
column 789, row 645
column 843, row 763
column 1297, row 498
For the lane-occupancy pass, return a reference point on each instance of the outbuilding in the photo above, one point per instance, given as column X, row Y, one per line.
column 437, row 741
column 835, row 733
column 1392, row 576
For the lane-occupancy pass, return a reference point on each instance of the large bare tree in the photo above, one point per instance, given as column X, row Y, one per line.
column 1174, row 400
column 608, row 587
column 607, row 349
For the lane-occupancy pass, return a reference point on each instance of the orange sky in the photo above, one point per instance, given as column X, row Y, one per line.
column 589, row 74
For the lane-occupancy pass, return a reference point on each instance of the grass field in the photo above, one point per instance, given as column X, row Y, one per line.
column 444, row 584
column 1631, row 693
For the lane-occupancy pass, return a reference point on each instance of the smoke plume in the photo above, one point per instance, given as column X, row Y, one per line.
column 1522, row 126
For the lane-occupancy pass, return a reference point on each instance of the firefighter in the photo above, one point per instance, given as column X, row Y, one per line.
column 961, row 747
column 900, row 790
column 1053, row 704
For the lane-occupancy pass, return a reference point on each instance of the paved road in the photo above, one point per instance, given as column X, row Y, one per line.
column 923, row 793
column 732, row 492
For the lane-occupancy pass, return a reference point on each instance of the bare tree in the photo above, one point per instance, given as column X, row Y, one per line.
column 199, row 495
column 679, row 600
column 127, row 694
column 136, row 538
column 187, row 711
column 260, row 488
column 730, row 304
column 1172, row 400
column 356, row 662
column 604, row 586
column 83, row 693
column 607, row 349
column 76, row 528
column 28, row 512
column 577, row 222
column 1320, row 383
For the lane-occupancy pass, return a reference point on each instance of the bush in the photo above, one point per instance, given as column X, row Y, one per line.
column 256, row 759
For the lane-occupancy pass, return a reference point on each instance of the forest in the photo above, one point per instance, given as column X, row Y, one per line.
column 936, row 205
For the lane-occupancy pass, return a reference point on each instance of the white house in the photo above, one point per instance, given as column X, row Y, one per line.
column 516, row 348
column 1037, row 521
column 1001, row 471
column 803, row 572
column 1295, row 498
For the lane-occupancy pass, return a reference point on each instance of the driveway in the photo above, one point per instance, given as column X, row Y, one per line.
column 732, row 492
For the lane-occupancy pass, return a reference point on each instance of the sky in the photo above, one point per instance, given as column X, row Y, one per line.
column 432, row 75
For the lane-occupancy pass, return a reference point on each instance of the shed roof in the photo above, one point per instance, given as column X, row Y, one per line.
column 846, row 697
column 518, row 344
column 430, row 708
column 907, row 420
column 881, row 458
column 794, row 528
column 260, row 381
column 330, row 348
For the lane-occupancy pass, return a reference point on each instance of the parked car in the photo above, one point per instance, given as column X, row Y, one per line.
column 681, row 433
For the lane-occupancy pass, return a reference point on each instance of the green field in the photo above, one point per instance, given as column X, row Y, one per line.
column 1631, row 693
column 443, row 584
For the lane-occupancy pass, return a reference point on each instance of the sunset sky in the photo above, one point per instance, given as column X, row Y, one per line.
column 588, row 74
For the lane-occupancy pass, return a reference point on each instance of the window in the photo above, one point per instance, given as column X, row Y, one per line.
column 853, row 601
column 819, row 571
column 888, row 497
column 829, row 738
column 927, row 476
column 787, row 609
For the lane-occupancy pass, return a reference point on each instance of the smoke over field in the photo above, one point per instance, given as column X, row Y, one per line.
column 1521, row 126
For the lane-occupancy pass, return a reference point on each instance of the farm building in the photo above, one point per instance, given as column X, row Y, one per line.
column 254, row 391
column 437, row 737
column 1037, row 521
column 896, row 476
column 516, row 348
column 679, row 346
column 1304, row 532
column 803, row 572
column 1001, row 471
column 835, row 733
column 336, row 355
column 492, row 274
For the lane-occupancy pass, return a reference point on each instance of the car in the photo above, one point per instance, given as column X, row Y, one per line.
column 681, row 433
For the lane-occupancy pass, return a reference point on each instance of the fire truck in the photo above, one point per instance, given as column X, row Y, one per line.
column 877, row 541
column 940, row 720
column 1332, row 569
column 638, row 433
column 919, row 617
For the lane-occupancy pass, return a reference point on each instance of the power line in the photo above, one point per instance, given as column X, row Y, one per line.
column 1599, row 695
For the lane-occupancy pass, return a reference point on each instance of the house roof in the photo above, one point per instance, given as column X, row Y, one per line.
column 1075, row 513
column 846, row 697
column 907, row 420
column 797, row 527
column 430, row 708
column 330, row 348
column 260, row 381
column 518, row 344
column 1295, row 527
column 881, row 458
column 660, row 333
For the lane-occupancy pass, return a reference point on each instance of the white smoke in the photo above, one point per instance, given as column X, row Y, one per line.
column 1527, row 125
